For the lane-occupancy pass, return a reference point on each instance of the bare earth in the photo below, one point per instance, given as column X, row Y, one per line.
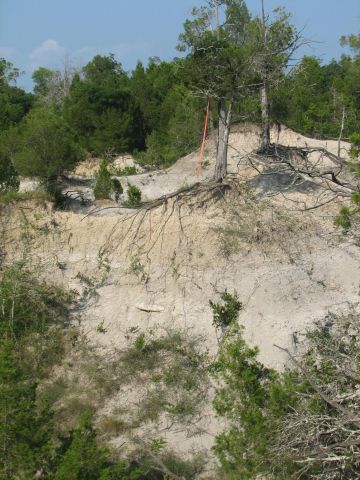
column 289, row 268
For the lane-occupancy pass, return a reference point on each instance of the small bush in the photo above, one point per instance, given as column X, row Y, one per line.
column 9, row 180
column 117, row 187
column 225, row 314
column 103, row 184
column 140, row 342
column 343, row 219
column 134, row 196
column 126, row 171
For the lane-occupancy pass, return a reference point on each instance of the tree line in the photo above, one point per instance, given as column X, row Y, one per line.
column 241, row 63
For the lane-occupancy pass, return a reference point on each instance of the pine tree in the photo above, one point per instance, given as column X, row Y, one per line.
column 103, row 184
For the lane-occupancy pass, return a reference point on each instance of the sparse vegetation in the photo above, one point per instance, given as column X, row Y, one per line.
column 13, row 196
column 124, row 172
column 138, row 269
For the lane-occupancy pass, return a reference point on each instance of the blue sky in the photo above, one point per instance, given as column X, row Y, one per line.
column 37, row 33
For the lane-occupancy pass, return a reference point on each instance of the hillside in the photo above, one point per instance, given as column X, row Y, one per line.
column 154, row 270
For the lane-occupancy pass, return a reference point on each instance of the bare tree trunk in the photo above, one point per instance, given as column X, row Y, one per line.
column 265, row 119
column 216, row 8
column 223, row 139
column 224, row 122
column 341, row 131
column 264, row 96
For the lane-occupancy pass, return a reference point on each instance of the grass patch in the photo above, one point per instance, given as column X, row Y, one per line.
column 9, row 197
column 123, row 172
column 157, row 376
column 256, row 223
column 112, row 425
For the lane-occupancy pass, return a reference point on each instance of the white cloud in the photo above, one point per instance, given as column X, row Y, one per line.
column 49, row 53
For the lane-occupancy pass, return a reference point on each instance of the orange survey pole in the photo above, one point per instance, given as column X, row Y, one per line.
column 199, row 165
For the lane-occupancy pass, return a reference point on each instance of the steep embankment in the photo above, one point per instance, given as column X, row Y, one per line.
column 156, row 270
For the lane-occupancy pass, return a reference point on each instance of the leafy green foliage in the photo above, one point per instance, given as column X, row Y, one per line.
column 83, row 460
column 126, row 171
column 51, row 87
column 103, row 184
column 343, row 219
column 27, row 306
column 350, row 216
column 355, row 145
column 101, row 109
column 353, row 41
column 134, row 196
column 285, row 425
column 43, row 145
column 226, row 314
column 242, row 400
column 15, row 103
column 217, row 62
column 13, row 196
column 313, row 97
column 173, row 117
column 117, row 188
column 26, row 428
column 9, row 180
column 32, row 317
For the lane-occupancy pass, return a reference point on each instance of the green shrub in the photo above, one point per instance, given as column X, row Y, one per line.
column 343, row 219
column 43, row 145
column 225, row 314
column 103, row 184
column 9, row 180
column 277, row 423
column 140, row 342
column 126, row 171
column 29, row 306
column 134, row 196
column 117, row 188
column 355, row 145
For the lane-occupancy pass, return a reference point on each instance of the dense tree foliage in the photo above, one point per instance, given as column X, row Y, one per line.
column 28, row 310
column 8, row 176
column 102, row 110
column 172, row 116
column 312, row 100
column 43, row 144
column 14, row 102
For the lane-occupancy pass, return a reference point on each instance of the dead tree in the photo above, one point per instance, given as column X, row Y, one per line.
column 264, row 95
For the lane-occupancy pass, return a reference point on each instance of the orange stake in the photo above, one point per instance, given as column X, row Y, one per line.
column 199, row 165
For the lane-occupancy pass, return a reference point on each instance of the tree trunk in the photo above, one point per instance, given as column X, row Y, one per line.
column 341, row 131
column 264, row 97
column 223, row 138
column 265, row 119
